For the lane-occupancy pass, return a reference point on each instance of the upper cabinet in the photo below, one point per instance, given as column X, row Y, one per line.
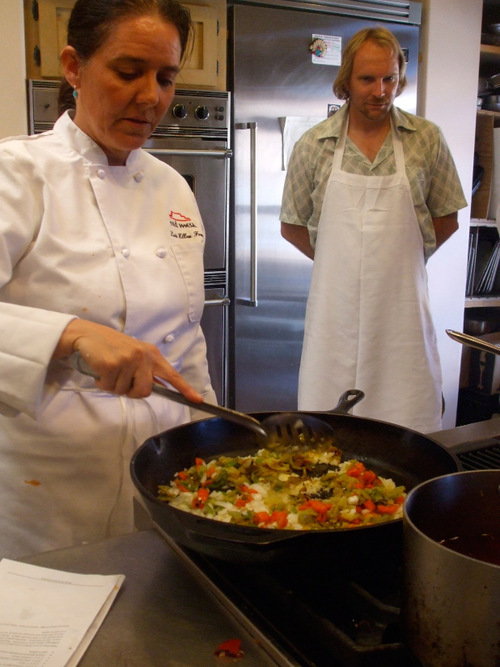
column 205, row 67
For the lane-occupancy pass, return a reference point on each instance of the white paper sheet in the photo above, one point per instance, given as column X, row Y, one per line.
column 292, row 128
column 332, row 55
column 48, row 617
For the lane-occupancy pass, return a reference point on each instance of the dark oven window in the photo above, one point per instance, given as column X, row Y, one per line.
column 190, row 180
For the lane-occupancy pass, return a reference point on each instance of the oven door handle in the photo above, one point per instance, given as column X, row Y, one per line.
column 252, row 126
column 192, row 152
column 224, row 301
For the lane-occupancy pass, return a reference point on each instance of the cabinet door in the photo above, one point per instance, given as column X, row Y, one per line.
column 200, row 69
column 205, row 53
column 53, row 25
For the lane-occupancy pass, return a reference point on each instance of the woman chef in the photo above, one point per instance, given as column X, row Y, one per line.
column 91, row 261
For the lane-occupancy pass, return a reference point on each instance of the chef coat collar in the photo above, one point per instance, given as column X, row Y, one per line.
column 333, row 125
column 87, row 147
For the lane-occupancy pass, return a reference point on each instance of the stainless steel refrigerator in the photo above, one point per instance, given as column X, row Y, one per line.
column 279, row 87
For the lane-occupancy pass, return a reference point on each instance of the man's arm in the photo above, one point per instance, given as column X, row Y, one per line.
column 444, row 227
column 298, row 236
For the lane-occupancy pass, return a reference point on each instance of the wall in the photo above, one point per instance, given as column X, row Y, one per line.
column 13, row 115
column 450, row 42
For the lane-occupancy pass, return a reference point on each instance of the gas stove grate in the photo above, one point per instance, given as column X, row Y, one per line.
column 481, row 459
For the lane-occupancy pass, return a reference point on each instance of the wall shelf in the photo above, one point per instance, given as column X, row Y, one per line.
column 482, row 302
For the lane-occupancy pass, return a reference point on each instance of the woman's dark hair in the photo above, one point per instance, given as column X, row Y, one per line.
column 92, row 21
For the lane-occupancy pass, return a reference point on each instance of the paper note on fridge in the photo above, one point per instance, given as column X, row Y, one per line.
column 49, row 617
column 329, row 51
column 292, row 128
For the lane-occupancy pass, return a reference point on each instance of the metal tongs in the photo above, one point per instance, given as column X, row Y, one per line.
column 79, row 364
column 283, row 428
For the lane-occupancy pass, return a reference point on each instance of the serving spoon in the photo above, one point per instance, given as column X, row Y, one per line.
column 283, row 428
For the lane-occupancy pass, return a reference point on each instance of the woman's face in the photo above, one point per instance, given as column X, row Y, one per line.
column 126, row 87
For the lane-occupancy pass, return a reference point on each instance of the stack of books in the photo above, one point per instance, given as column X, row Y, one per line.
column 483, row 276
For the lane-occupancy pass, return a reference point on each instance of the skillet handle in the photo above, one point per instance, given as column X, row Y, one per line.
column 259, row 540
column 348, row 400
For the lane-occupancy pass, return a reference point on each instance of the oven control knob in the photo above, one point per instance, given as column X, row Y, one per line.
column 201, row 113
column 179, row 111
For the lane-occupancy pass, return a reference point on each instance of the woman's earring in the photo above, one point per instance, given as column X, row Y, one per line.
column 75, row 93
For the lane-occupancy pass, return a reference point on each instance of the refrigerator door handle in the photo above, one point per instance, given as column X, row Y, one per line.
column 252, row 126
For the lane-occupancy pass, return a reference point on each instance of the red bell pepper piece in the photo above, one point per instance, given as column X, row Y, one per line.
column 261, row 517
column 230, row 648
column 321, row 508
column 369, row 505
column 280, row 518
column 246, row 496
column 387, row 509
column 181, row 486
column 201, row 498
column 356, row 470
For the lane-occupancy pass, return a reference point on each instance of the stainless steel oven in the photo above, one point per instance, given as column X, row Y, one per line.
column 193, row 137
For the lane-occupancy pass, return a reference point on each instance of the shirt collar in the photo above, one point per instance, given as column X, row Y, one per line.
column 333, row 125
column 85, row 146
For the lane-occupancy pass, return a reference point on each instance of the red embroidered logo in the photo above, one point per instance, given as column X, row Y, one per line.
column 182, row 227
column 178, row 217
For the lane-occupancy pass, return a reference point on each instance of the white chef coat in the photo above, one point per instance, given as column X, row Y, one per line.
column 368, row 322
column 121, row 246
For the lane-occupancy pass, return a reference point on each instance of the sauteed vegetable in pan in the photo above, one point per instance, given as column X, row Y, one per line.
column 289, row 488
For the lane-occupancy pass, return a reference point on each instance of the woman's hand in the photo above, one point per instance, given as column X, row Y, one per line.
column 124, row 365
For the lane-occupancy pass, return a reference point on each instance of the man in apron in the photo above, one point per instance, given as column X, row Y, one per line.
column 370, row 193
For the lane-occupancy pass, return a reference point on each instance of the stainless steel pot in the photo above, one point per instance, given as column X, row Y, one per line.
column 491, row 103
column 451, row 600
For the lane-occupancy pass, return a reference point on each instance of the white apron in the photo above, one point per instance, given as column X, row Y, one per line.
column 368, row 323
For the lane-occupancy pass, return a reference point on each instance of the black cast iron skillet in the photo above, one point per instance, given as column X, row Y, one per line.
column 406, row 456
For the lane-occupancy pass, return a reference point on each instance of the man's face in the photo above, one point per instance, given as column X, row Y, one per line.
column 374, row 81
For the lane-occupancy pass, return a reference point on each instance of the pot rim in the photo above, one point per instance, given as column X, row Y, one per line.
column 409, row 523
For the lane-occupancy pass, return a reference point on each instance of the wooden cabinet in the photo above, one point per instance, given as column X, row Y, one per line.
column 205, row 67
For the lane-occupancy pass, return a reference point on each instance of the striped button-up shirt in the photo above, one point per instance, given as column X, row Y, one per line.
column 430, row 168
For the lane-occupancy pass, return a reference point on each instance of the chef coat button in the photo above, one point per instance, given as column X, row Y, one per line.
column 169, row 338
column 161, row 252
column 101, row 174
column 125, row 252
column 138, row 177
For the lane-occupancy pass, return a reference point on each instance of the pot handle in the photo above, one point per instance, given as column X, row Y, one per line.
column 348, row 400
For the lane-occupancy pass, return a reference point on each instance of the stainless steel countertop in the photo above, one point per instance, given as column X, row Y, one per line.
column 469, row 436
column 161, row 616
